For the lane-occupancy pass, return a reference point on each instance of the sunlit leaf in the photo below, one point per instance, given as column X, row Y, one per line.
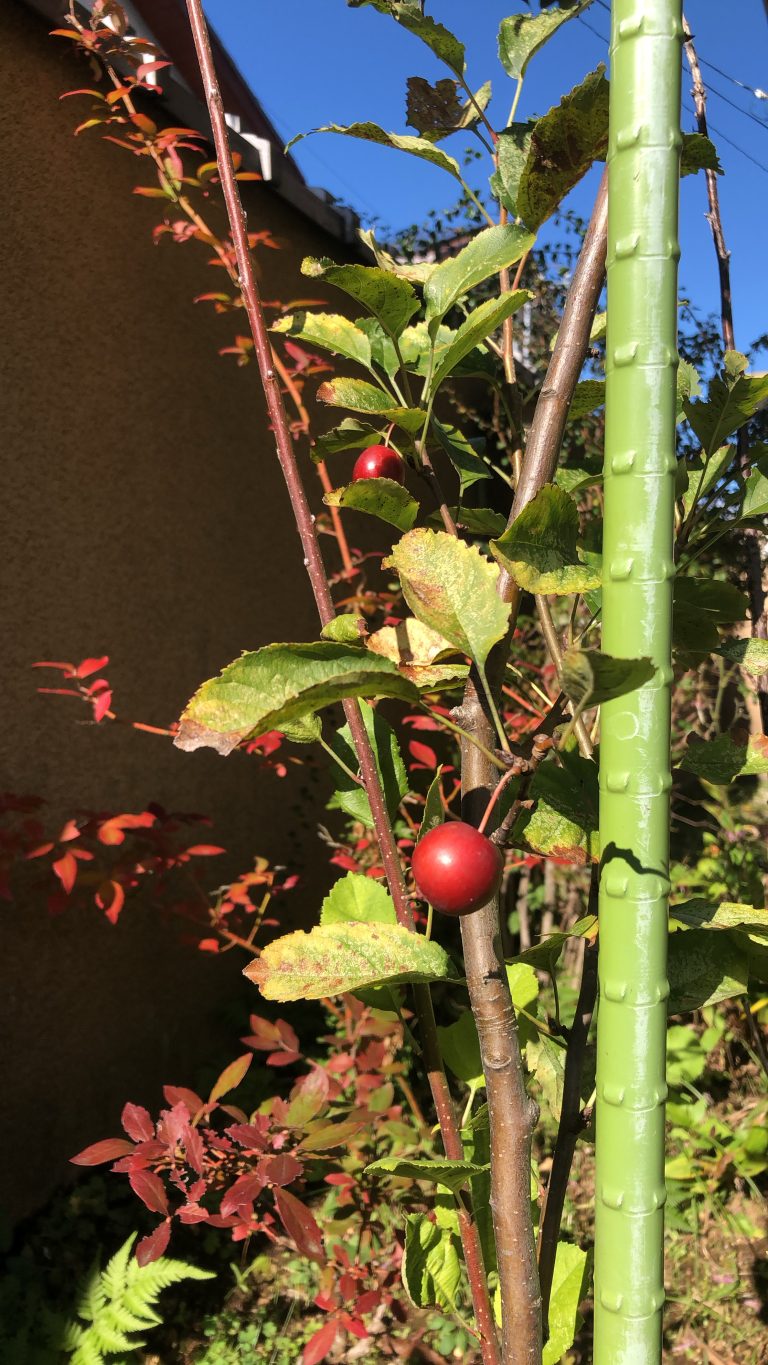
column 698, row 154
column 588, row 395
column 401, row 142
column 417, row 651
column 358, row 899
column 350, row 796
column 330, row 331
column 383, row 498
column 481, row 323
column 439, row 1171
column 390, row 299
column 733, row 397
column 431, row 1267
column 335, row 958
column 539, row 548
column 564, row 820
column 570, row 1283
column 751, row 655
column 704, row 968
column 361, row 396
column 722, row 760
column 522, row 35
column 492, row 250
column 462, row 454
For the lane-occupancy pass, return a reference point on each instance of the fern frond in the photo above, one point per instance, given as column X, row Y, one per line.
column 93, row 1296
column 113, row 1277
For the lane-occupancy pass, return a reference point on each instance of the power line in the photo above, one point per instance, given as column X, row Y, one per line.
column 713, row 90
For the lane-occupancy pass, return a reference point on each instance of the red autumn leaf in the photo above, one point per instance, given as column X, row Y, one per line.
column 209, row 945
column 280, row 1170
column 368, row 1301
column 137, row 1123
column 89, row 666
column 147, row 68
column 110, row 898
column 101, row 705
column 150, row 1190
column 282, row 1058
column 112, row 831
column 245, row 1190
column 193, row 1146
column 152, row 1247
column 231, row 1077
column 66, row 871
column 178, row 1094
column 205, row 850
column 248, row 1136
column 424, row 756
column 320, row 1344
column 107, row 1150
column 300, row 1225
column 70, row 831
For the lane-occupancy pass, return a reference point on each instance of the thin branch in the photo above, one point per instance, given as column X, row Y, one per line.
column 322, row 594
column 556, row 655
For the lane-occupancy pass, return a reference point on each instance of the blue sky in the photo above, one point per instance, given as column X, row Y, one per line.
column 311, row 62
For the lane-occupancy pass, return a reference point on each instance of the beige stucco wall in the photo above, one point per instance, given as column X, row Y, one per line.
column 143, row 516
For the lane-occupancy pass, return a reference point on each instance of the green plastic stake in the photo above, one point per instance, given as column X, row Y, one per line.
column 641, row 364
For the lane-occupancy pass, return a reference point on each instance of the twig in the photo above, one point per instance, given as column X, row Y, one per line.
column 556, row 655
column 321, row 590
column 571, row 1117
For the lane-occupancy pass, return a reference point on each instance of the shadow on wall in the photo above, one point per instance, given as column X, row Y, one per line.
column 144, row 517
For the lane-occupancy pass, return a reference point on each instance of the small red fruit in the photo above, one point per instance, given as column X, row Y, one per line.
column 456, row 868
column 378, row 462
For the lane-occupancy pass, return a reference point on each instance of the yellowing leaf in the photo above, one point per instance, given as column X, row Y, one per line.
column 335, row 958
column 415, row 648
column 383, row 498
column 539, row 548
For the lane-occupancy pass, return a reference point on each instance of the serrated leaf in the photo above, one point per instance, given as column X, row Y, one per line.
column 416, row 272
column 431, row 1268
column 588, row 395
column 703, row 475
column 688, row 386
column 481, row 323
column 564, row 821
column 409, row 15
column 720, row 602
column 452, row 1175
column 546, row 1061
column 462, row 454
column 416, row 650
column 492, row 250
column 591, row 677
column 382, row 498
column 539, row 162
column 704, row 968
column 583, row 475
column 478, row 521
column 389, row 298
column 344, row 629
column 543, row 956
column 330, row 331
column 698, row 153
column 361, row 396
column 305, row 729
column 522, row 35
column 351, row 797
column 751, row 655
column 436, row 111
column 335, row 958
column 700, row 913
column 433, row 806
column 569, row 1286
column 275, row 686
column 349, row 435
column 451, row 587
column 358, row 899
column 383, row 351
column 755, row 502
column 401, row 142
column 722, row 760
column 539, row 548
column 731, row 400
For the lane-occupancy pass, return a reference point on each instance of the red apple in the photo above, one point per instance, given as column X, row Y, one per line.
column 378, row 462
column 456, row 868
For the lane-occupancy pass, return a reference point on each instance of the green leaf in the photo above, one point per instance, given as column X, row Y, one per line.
column 335, row 958
column 751, row 655
column 303, row 730
column 361, row 396
column 349, row 435
column 558, row 150
column 588, row 395
column 546, row 1062
column 416, row 343
column 698, row 154
column 452, row 1175
column 462, row 454
column 390, row 299
column 383, row 498
column 564, row 821
column 359, row 900
column 480, row 323
column 330, row 331
column 436, row 111
column 460, row 1047
column 451, row 587
column 409, row 15
column 478, row 521
column 711, row 597
column 522, row 35
column 704, row 968
column 688, row 386
column 590, row 677
column 699, row 913
column 401, row 142
column 722, row 760
column 271, row 687
column 433, row 806
column 703, row 475
column 431, row 1268
column 539, row 548
column 583, row 475
column 755, row 502
column 569, row 1287
column 492, row 250
column 345, row 629
column 732, row 399
column 543, row 956
column 416, row 272
column 350, row 796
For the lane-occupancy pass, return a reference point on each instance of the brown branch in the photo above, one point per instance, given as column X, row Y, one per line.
column 754, row 537
column 511, row 1113
column 571, row 1117
column 322, row 594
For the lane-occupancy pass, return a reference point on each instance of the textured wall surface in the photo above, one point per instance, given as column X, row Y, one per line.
column 143, row 516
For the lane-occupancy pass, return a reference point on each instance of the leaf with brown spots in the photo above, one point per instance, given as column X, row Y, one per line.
column 335, row 958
